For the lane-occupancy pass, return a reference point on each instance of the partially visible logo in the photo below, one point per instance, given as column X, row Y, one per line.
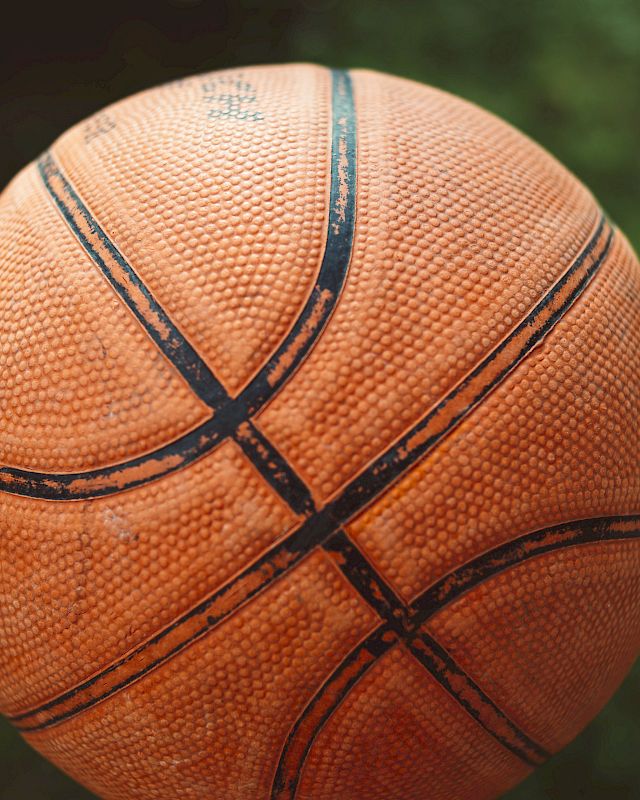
column 98, row 126
column 231, row 97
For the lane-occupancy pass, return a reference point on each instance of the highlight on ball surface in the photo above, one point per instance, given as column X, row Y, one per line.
column 320, row 456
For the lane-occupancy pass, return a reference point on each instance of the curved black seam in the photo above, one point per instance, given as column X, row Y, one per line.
column 313, row 531
column 386, row 468
column 299, row 546
column 337, row 253
column 515, row 552
column 231, row 412
column 164, row 333
column 487, row 565
column 536, row 756
column 380, row 641
column 275, row 469
column 392, row 463
column 363, row 576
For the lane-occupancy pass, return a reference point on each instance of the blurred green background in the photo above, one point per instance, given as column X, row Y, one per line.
column 567, row 73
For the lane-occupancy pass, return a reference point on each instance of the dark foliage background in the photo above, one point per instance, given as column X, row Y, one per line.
column 566, row 73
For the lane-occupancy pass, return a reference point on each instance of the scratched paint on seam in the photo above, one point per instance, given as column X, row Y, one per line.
column 301, row 339
column 162, row 646
column 367, row 581
column 274, row 469
column 474, row 388
column 322, row 706
column 228, row 412
column 343, row 178
column 318, row 527
column 460, row 686
column 88, row 229
column 531, row 545
column 129, row 286
column 352, row 498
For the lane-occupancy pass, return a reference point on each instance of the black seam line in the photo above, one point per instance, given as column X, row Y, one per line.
column 275, row 469
column 528, row 750
column 311, row 533
column 293, row 544
column 366, row 580
column 377, row 644
column 287, row 777
column 515, row 552
column 298, row 545
column 394, row 462
column 158, row 325
column 337, row 255
column 447, row 590
column 384, row 601
column 272, row 377
column 204, row 438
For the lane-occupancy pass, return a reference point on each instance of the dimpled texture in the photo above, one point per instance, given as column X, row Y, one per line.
column 178, row 735
column 215, row 187
column 567, row 447
column 462, row 225
column 552, row 638
column 179, row 636
column 81, row 385
column 418, row 742
column 105, row 574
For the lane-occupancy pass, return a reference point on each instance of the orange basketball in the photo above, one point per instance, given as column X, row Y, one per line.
column 320, row 479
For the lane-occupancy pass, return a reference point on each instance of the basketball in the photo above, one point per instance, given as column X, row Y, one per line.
column 319, row 468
